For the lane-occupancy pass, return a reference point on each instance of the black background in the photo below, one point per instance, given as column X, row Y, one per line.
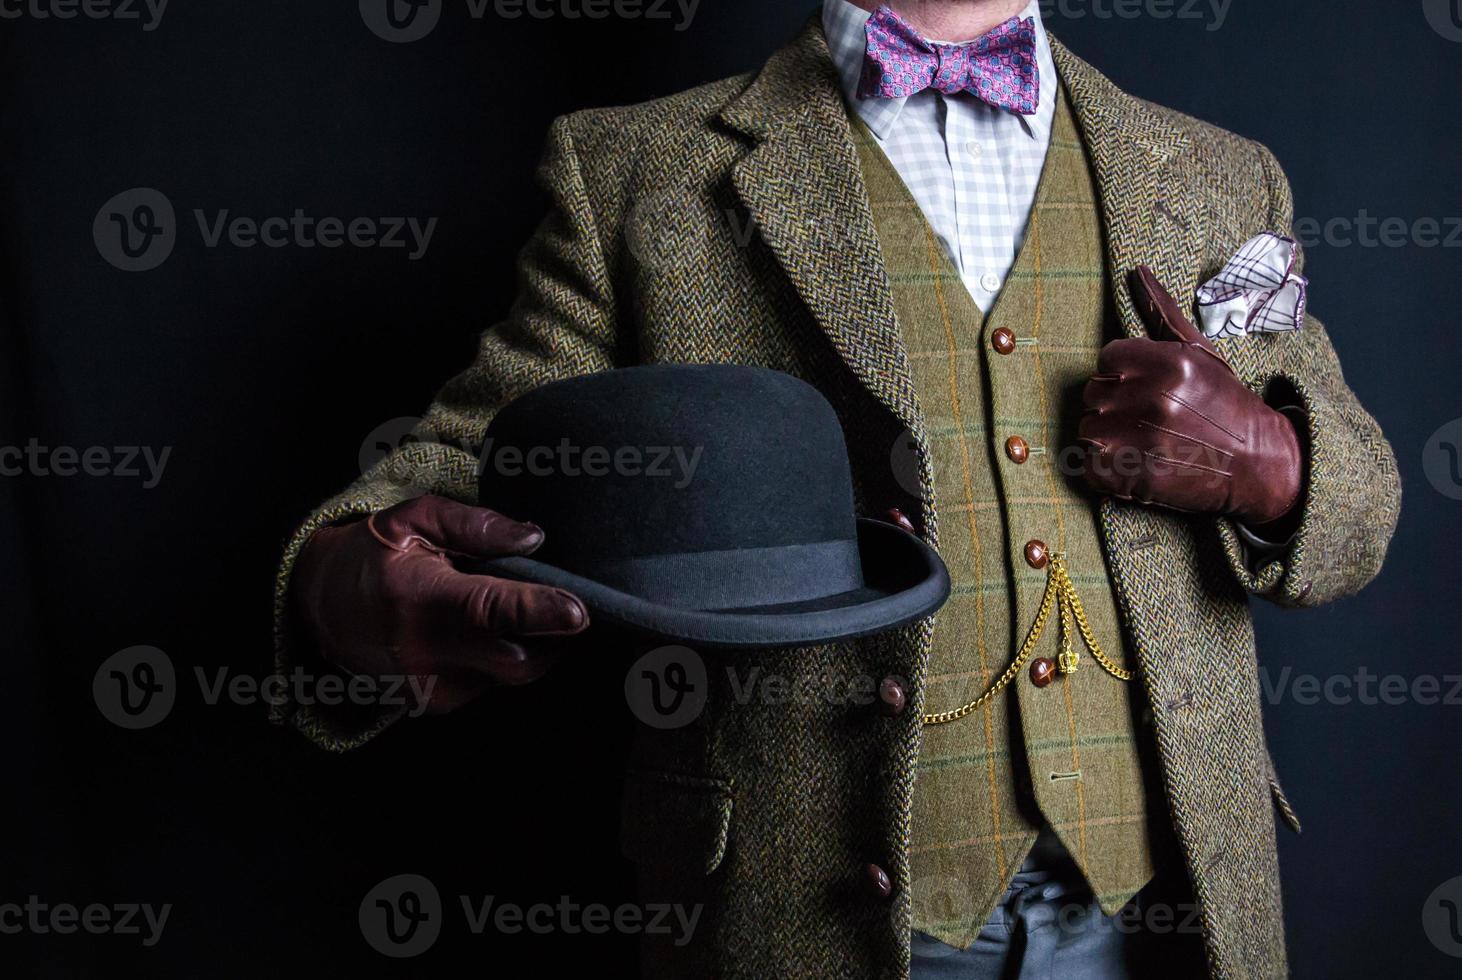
column 265, row 369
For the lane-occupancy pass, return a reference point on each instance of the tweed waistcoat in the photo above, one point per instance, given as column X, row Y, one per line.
column 1067, row 755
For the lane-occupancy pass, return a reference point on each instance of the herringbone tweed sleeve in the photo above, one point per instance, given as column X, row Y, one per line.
column 1352, row 497
column 562, row 324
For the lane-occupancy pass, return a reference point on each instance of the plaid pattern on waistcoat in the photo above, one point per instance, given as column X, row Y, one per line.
column 769, row 811
column 981, row 789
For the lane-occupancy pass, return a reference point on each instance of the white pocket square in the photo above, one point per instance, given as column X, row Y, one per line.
column 1258, row 291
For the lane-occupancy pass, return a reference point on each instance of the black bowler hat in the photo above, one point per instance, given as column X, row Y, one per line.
column 711, row 504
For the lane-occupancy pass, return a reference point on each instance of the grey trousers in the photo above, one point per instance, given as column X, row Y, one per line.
column 1048, row 926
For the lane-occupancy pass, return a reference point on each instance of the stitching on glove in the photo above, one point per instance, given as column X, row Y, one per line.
column 1179, row 462
column 1184, row 435
column 1206, row 418
column 411, row 539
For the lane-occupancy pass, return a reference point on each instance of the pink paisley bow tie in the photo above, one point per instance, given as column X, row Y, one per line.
column 999, row 68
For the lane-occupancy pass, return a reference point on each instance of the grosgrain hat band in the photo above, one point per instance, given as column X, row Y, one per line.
column 762, row 576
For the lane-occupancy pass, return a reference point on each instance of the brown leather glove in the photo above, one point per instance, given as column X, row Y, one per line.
column 381, row 597
column 1169, row 422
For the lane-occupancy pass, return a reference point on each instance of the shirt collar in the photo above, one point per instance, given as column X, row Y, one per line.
column 845, row 23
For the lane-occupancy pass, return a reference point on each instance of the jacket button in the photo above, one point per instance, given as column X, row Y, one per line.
column 1017, row 449
column 891, row 697
column 1036, row 555
column 1003, row 340
column 1043, row 671
column 899, row 518
column 878, row 881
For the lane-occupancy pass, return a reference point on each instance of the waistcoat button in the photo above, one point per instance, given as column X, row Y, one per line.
column 1036, row 555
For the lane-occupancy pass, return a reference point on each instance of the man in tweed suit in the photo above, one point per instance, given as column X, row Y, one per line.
column 949, row 262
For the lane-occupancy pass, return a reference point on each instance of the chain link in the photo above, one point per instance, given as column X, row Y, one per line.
column 1061, row 593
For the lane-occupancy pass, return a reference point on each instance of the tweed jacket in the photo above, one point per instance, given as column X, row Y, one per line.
column 730, row 224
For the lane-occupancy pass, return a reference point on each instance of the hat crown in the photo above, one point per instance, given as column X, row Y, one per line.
column 669, row 460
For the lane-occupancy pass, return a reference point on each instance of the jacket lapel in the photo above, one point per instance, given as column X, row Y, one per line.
column 803, row 187
column 1147, row 211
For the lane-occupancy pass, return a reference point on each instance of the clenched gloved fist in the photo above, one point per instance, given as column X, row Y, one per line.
column 381, row 597
column 1169, row 422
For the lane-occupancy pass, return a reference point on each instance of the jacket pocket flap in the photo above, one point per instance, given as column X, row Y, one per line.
column 669, row 817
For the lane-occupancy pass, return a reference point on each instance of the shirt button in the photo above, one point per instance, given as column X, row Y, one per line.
column 1017, row 449
column 989, row 282
column 1036, row 555
column 1003, row 340
column 974, row 148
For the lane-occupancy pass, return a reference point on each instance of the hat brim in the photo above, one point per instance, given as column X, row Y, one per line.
column 905, row 581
